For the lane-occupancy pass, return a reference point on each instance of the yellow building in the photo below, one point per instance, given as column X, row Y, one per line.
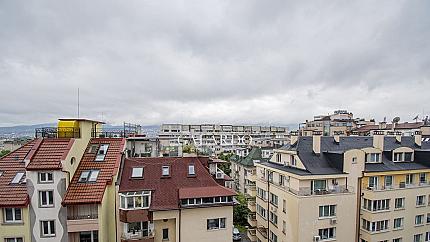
column 366, row 189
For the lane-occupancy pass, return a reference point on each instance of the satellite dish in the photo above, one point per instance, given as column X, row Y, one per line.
column 396, row 120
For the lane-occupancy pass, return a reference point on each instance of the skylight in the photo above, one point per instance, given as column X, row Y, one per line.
column 17, row 178
column 137, row 172
column 165, row 170
column 102, row 152
column 89, row 176
column 191, row 170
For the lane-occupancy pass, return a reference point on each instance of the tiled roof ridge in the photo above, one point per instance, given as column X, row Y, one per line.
column 118, row 159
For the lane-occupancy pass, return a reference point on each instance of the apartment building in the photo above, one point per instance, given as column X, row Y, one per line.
column 338, row 121
column 172, row 199
column 405, row 128
column 142, row 146
column 214, row 138
column 14, row 201
column 90, row 199
column 244, row 167
column 345, row 188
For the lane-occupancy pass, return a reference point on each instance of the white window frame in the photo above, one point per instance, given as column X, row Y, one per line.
column 46, row 195
column 101, row 153
column 137, row 172
column 14, row 239
column 165, row 170
column 219, row 223
column 191, row 170
column 402, row 220
column 14, row 220
column 143, row 195
column 51, row 231
column 89, row 176
column 327, row 211
column 331, row 233
column 46, row 175
column 18, row 177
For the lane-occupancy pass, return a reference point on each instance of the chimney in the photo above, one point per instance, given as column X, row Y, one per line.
column 418, row 138
column 294, row 135
column 337, row 135
column 378, row 139
column 399, row 137
column 425, row 130
column 382, row 125
column 316, row 141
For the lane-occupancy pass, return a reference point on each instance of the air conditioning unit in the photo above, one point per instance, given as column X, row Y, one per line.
column 333, row 221
column 317, row 238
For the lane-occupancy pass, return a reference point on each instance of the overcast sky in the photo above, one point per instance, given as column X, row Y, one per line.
column 253, row 62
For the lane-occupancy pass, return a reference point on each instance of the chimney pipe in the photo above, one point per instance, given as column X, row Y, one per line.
column 418, row 138
column 294, row 135
column 337, row 135
column 378, row 139
column 316, row 142
column 399, row 137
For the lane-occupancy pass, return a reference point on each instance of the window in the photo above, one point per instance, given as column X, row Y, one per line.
column 102, row 152
column 327, row 211
column 421, row 200
column 137, row 172
column 165, row 234
column 278, row 158
column 293, row 161
column 376, row 205
column 354, row 160
column 89, row 236
column 13, row 240
column 273, row 199
column 284, row 227
column 89, row 176
column 398, row 223
column 284, row 206
column 427, row 237
column 423, row 178
column 373, row 182
column 138, row 227
column 46, row 177
column 398, row 157
column 12, row 215
column 318, row 185
column 388, row 181
column 410, row 179
column 48, row 228
column 273, row 218
column 273, row 237
column 418, row 238
column 17, row 178
column 373, row 157
column 328, row 233
column 191, row 170
column 261, row 193
column 375, row 226
column 419, row 219
column 261, row 211
column 93, row 149
column 165, row 170
column 397, row 240
column 46, row 198
column 399, row 203
column 428, row 218
column 408, row 156
column 217, row 223
column 135, row 200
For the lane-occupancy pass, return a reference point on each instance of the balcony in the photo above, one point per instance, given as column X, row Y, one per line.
column 252, row 219
column 60, row 132
column 307, row 191
column 137, row 215
column 82, row 218
column 252, row 235
column 401, row 185
column 262, row 231
column 138, row 237
column 251, row 206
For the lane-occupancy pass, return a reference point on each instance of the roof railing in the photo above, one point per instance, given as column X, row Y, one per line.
column 58, row 132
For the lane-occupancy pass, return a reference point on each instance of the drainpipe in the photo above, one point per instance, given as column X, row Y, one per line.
column 268, row 205
column 359, row 195
column 180, row 212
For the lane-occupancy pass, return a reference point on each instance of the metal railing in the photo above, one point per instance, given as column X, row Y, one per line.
column 58, row 132
column 80, row 217
column 401, row 185
column 138, row 235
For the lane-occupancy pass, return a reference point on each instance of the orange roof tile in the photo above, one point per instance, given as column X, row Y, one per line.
column 83, row 193
column 49, row 154
column 14, row 194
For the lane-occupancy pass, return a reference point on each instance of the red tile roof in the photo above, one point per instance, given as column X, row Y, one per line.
column 49, row 154
column 166, row 191
column 406, row 125
column 14, row 194
column 197, row 192
column 84, row 193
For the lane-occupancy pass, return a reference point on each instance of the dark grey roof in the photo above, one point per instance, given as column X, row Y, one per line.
column 286, row 168
column 330, row 161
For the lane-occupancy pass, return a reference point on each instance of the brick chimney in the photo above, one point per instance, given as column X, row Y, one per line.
column 316, row 141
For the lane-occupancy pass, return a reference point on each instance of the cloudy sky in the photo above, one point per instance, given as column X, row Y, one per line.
column 254, row 62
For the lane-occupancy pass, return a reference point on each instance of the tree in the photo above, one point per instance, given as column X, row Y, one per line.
column 4, row 152
column 241, row 211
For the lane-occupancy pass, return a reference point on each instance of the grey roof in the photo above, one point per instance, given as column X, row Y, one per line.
column 330, row 161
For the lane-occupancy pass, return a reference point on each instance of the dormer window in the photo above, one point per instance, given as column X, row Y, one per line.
column 102, row 152
column 191, row 170
column 18, row 177
column 293, row 161
column 89, row 176
column 373, row 157
column 402, row 156
column 137, row 172
column 165, row 171
column 93, row 149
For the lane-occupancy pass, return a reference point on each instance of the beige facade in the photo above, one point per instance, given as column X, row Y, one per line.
column 376, row 189
column 16, row 229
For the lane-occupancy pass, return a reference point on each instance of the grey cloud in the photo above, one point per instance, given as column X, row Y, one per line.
column 212, row 61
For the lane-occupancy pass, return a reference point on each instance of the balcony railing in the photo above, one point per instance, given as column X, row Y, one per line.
column 58, row 132
column 139, row 235
column 79, row 217
column 262, row 231
column 307, row 191
column 401, row 185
